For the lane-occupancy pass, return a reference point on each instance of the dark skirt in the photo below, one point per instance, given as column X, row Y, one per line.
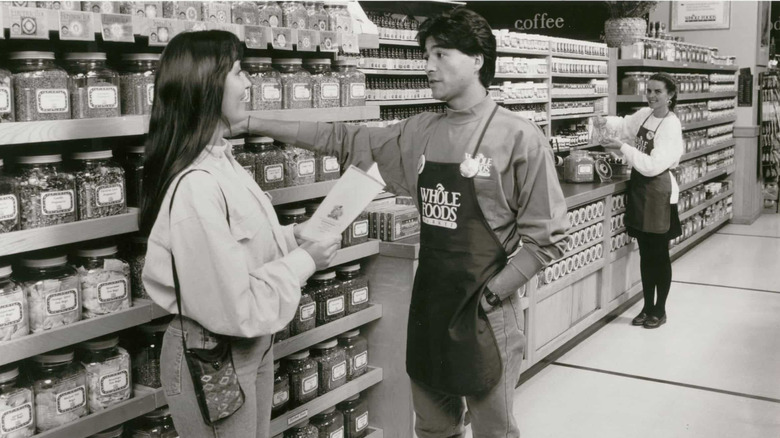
column 675, row 228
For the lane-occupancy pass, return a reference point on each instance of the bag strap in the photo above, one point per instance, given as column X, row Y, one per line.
column 176, row 284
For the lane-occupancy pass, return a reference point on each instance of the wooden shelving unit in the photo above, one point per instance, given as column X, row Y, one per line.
column 696, row 238
column 651, row 63
column 357, row 252
column 578, row 56
column 521, row 101
column 378, row 103
column 707, row 123
column 289, row 195
column 580, row 75
column 387, row 42
column 708, row 150
column 707, row 177
column 581, row 97
column 681, row 98
column 577, row 116
column 699, row 208
column 520, row 76
column 514, row 51
column 388, row 72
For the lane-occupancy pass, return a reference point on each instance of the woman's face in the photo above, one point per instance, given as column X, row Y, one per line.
column 657, row 96
column 236, row 84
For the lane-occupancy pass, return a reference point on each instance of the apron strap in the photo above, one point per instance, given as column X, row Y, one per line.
column 484, row 130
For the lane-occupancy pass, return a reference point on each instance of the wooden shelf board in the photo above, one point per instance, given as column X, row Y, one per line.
column 708, row 150
column 374, row 433
column 622, row 98
column 389, row 72
column 584, row 225
column 17, row 242
column 707, row 177
column 342, row 114
column 61, row 130
column 388, row 42
column 402, row 102
column 576, row 116
column 580, row 75
column 696, row 238
column 515, row 51
column 577, row 56
column 319, row 404
column 618, row 211
column 521, row 101
column 300, row 193
column 703, row 206
column 357, row 252
column 549, row 289
column 520, row 76
column 674, row 65
column 581, row 96
column 708, row 123
column 617, row 231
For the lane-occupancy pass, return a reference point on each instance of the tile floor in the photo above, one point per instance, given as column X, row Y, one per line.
column 712, row 371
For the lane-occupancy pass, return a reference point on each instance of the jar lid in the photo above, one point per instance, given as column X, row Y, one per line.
column 303, row 354
column 57, row 356
column 154, row 327
column 326, row 344
column 6, row 270
column 114, row 432
column 101, row 343
column 303, row 423
column 330, row 410
column 8, row 373
column 39, row 159
column 44, row 261
column 324, row 61
column 86, row 56
column 259, row 140
column 256, row 60
column 327, row 275
column 294, row 211
column 92, row 155
column 288, row 61
column 140, row 57
column 97, row 251
column 350, row 334
column 349, row 268
column 353, row 398
column 158, row 413
column 31, row 55
column 137, row 150
column 345, row 62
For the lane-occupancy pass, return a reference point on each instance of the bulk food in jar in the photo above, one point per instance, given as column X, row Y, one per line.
column 292, row 215
column 14, row 314
column 9, row 202
column 340, row 19
column 245, row 157
column 296, row 83
column 105, row 280
column 302, row 430
column 136, row 82
column 6, row 96
column 318, row 18
column 355, row 410
column 329, row 423
column 100, row 184
column 328, row 294
column 17, row 418
column 269, row 163
column 114, row 432
column 270, row 13
column 47, row 194
column 53, row 291
column 155, row 424
column 94, row 87
column 304, row 380
column 355, row 287
column 108, row 372
column 245, row 13
column 145, row 353
column 331, row 365
column 357, row 232
column 325, row 85
column 60, row 387
column 266, row 88
column 133, row 165
column 305, row 317
column 40, row 87
column 281, row 396
column 356, row 349
column 294, row 15
column 328, row 167
column 353, row 83
column 299, row 166
column 134, row 251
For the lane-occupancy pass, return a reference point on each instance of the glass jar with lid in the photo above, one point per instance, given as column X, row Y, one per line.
column 281, row 396
column 136, row 80
column 266, row 89
column 94, row 87
column 331, row 365
column 47, row 194
column 269, row 163
column 328, row 167
column 355, row 410
column 6, row 96
column 356, row 349
column 304, row 379
column 294, row 15
column 133, row 165
column 145, row 352
column 52, row 288
column 292, row 214
column 155, row 424
column 328, row 294
column 100, row 184
column 245, row 13
column 325, row 84
column 305, row 318
column 340, row 19
column 17, row 418
column 14, row 313
column 60, row 387
column 628, row 85
column 296, row 83
column 271, row 14
column 355, row 287
column 244, row 156
column 108, row 372
column 302, row 430
column 318, row 18
column 357, row 232
column 134, row 251
column 353, row 83
column 9, row 202
column 40, row 87
column 114, row 432
column 329, row 423
column 299, row 166
column 104, row 278
column 578, row 167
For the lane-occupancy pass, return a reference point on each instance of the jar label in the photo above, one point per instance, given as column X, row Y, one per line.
column 11, row 314
column 330, row 164
column 361, row 422
column 301, row 92
column 335, row 305
column 273, row 173
column 112, row 291
column 273, row 20
column 5, row 100
column 114, row 382
column 52, row 100
column 271, row 93
column 57, row 202
column 338, row 433
column 280, row 398
column 309, row 384
column 16, row 418
column 330, row 91
column 71, row 400
column 307, row 311
column 585, row 169
column 149, row 94
column 359, row 296
column 62, row 302
column 306, row 168
column 339, row 371
column 8, row 208
column 102, row 97
column 112, row 194
column 360, row 228
column 361, row 360
column 357, row 90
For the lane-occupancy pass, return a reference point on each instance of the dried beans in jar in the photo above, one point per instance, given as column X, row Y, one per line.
column 100, row 183
column 94, row 87
column 40, row 87
column 47, row 195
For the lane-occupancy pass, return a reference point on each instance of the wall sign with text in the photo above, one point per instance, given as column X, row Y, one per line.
column 698, row 15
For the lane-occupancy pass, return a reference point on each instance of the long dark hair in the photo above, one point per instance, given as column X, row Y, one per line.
column 670, row 84
column 187, row 110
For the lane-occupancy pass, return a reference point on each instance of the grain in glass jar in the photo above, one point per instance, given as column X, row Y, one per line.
column 17, row 418
column 104, row 278
column 328, row 167
column 355, row 410
column 114, row 432
column 329, row 423
column 94, row 87
column 40, row 87
column 155, row 424
column 146, row 351
column 100, row 184
column 269, row 163
column 340, row 19
column 60, row 387
column 331, row 365
column 353, row 83
column 306, row 316
column 302, row 430
column 245, row 13
column 296, row 83
column 325, row 85
column 328, row 294
column 266, row 89
column 133, row 165
column 245, row 156
column 136, row 82
column 304, row 379
column 108, row 372
column 281, row 396
column 271, row 14
column 53, row 290
column 47, row 194
column 9, row 202
column 6, row 96
column 14, row 314
column 318, row 17
column 292, row 215
column 299, row 166
column 357, row 232
column 134, row 251
column 294, row 15
column 355, row 287
column 356, row 349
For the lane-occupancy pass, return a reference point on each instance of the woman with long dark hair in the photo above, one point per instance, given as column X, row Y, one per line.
column 651, row 210
column 239, row 272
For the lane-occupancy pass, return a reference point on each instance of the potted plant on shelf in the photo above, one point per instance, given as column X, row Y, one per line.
column 627, row 21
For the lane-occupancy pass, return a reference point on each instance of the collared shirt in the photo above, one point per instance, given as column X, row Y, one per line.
column 242, row 279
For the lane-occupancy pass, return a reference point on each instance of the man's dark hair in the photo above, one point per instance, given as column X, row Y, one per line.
column 464, row 30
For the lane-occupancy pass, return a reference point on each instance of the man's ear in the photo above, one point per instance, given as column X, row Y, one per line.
column 479, row 61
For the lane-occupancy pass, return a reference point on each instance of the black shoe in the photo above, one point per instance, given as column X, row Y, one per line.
column 654, row 322
column 640, row 319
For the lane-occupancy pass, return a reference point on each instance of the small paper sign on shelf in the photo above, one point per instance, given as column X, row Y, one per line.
column 349, row 42
column 256, row 37
column 160, row 31
column 282, row 38
column 29, row 23
column 76, row 26
column 116, row 27
column 193, row 26
column 308, row 40
column 329, row 41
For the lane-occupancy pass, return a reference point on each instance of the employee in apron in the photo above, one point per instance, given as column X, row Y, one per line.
column 493, row 215
column 651, row 210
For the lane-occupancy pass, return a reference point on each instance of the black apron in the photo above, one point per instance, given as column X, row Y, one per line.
column 450, row 345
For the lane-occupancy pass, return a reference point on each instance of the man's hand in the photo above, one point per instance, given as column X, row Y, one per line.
column 298, row 230
column 486, row 307
column 611, row 143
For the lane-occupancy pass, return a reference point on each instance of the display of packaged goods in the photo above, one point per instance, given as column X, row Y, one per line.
column 518, row 65
column 506, row 39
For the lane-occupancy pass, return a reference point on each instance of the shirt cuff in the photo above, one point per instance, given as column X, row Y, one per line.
column 525, row 265
column 307, row 133
column 301, row 263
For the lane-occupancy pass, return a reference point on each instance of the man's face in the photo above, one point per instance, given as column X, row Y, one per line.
column 450, row 71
